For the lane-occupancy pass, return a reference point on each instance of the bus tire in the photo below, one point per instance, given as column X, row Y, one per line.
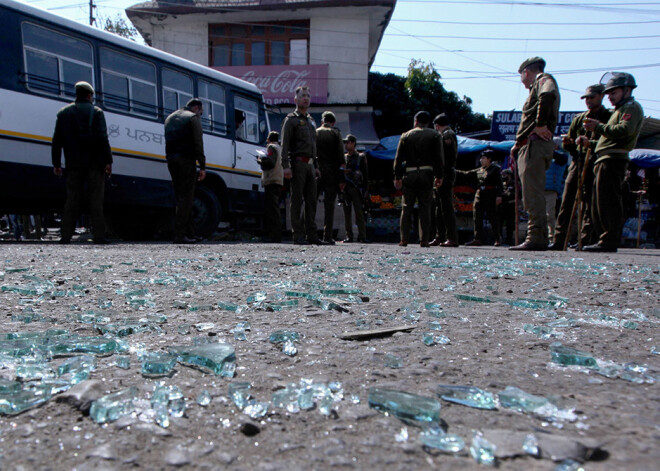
column 206, row 211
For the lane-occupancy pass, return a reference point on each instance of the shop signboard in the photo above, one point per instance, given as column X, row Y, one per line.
column 505, row 124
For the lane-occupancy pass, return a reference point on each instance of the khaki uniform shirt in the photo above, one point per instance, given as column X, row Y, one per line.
column 541, row 107
column 488, row 179
column 419, row 147
column 576, row 129
column 276, row 174
column 450, row 148
column 329, row 152
column 619, row 135
column 184, row 136
column 298, row 138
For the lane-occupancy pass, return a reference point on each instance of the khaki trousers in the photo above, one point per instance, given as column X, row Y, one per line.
column 533, row 160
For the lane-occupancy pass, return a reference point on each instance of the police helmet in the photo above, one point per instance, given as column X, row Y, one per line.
column 613, row 80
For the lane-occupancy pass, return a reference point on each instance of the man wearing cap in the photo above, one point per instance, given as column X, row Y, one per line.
column 535, row 147
column 301, row 167
column 418, row 166
column 81, row 131
column 354, row 186
column 618, row 137
column 184, row 146
column 445, row 218
column 272, row 180
column 486, row 199
column 577, row 142
column 330, row 154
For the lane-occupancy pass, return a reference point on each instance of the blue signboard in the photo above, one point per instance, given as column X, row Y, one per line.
column 505, row 124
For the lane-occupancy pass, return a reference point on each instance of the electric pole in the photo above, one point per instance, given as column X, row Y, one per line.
column 91, row 12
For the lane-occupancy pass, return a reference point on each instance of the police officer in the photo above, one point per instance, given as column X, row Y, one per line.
column 535, row 147
column 81, row 131
column 617, row 137
column 272, row 180
column 487, row 198
column 418, row 166
column 184, row 146
column 301, row 166
column 354, row 186
column 577, row 142
column 508, row 206
column 445, row 217
column 330, row 153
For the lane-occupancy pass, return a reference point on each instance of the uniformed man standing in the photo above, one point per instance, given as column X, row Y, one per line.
column 81, row 131
column 354, row 186
column 184, row 146
column 445, row 218
column 617, row 137
column 487, row 198
column 577, row 142
column 301, row 166
column 508, row 207
column 272, row 180
column 330, row 153
column 418, row 165
column 535, row 147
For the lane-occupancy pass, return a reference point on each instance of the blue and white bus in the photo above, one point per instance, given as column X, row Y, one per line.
column 44, row 55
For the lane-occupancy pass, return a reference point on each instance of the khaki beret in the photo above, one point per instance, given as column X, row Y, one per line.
column 85, row 86
column 530, row 61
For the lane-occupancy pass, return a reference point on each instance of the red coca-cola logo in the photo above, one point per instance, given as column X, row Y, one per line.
column 285, row 82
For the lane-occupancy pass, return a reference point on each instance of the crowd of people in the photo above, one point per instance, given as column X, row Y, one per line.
column 317, row 160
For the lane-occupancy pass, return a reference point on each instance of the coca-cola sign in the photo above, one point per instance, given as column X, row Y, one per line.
column 278, row 83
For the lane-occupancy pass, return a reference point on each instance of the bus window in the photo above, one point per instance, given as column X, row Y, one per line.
column 213, row 99
column 248, row 130
column 177, row 90
column 129, row 84
column 54, row 62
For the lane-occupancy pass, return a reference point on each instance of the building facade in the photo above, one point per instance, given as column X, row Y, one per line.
column 279, row 45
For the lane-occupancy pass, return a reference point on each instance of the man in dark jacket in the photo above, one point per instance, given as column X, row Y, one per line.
column 184, row 146
column 80, row 131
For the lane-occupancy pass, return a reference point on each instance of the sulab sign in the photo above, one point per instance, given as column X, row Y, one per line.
column 278, row 83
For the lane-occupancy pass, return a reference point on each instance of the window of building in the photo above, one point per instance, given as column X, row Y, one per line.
column 259, row 44
column 54, row 62
column 129, row 84
column 177, row 90
column 247, row 119
column 213, row 100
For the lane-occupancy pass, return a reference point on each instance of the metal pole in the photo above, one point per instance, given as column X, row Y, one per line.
column 91, row 12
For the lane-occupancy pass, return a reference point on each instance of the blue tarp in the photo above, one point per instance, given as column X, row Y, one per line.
column 386, row 149
column 645, row 158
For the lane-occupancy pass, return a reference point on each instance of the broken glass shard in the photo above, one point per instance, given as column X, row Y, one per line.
column 239, row 392
column 467, row 395
column 217, row 358
column 256, row 409
column 521, row 401
column 289, row 348
column 123, row 362
column 482, row 450
column 531, row 445
column 569, row 356
column 158, row 363
column 569, row 465
column 405, row 406
column 24, row 399
column 447, row 442
column 393, row 361
column 204, row 398
column 113, row 406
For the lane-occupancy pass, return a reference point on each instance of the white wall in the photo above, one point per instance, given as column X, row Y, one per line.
column 343, row 44
column 182, row 38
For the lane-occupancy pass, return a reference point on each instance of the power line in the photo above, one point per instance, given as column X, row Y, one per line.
column 482, row 38
column 557, row 51
column 524, row 23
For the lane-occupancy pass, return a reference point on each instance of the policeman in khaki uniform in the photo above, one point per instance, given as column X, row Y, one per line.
column 577, row 142
column 487, row 198
column 330, row 154
column 184, row 145
column 81, row 132
column 535, row 147
column 617, row 138
column 354, row 185
column 272, row 180
column 445, row 216
column 301, row 167
column 418, row 166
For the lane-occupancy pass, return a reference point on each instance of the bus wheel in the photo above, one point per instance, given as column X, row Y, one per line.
column 205, row 212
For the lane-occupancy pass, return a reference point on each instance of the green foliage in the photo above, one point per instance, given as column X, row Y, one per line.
column 119, row 26
column 396, row 99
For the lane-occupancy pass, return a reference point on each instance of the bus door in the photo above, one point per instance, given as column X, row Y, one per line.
column 248, row 135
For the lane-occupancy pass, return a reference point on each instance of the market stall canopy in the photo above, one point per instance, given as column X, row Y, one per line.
column 645, row 158
column 386, row 149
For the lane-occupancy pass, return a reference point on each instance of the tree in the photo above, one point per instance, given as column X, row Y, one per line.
column 119, row 26
column 396, row 99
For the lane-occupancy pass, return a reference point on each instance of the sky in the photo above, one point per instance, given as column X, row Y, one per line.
column 477, row 45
